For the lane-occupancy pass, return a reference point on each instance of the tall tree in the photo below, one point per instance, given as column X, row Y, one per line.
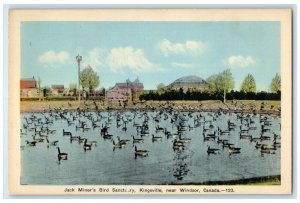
column 275, row 85
column 161, row 88
column 221, row 83
column 248, row 84
column 73, row 88
column 89, row 78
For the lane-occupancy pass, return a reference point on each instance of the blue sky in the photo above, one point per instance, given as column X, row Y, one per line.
column 156, row 52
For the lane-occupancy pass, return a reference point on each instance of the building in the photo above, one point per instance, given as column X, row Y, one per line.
column 125, row 91
column 191, row 82
column 28, row 87
column 57, row 89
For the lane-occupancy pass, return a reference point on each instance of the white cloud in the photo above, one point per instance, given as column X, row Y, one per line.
column 95, row 58
column 51, row 57
column 167, row 47
column 182, row 65
column 240, row 61
column 130, row 58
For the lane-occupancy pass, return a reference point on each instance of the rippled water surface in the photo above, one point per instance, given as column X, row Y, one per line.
column 103, row 166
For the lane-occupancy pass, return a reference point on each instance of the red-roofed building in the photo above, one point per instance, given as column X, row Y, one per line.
column 124, row 91
column 28, row 87
column 57, row 89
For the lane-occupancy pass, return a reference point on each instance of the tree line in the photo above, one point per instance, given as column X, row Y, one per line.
column 89, row 81
column 196, row 95
column 220, row 87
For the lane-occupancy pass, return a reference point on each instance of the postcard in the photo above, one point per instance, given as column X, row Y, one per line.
column 150, row 101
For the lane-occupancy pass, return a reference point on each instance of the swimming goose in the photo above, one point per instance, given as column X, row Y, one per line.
column 137, row 140
column 92, row 142
column 262, row 138
column 276, row 144
column 267, row 150
column 107, row 136
column 212, row 134
column 243, row 130
column 231, row 124
column 276, row 136
column 191, row 128
column 220, row 141
column 234, row 150
column 72, row 138
column 50, row 132
column 208, row 138
column 30, row 144
column 263, row 129
column 117, row 145
column 245, row 136
column 22, row 132
column 226, row 144
column 62, row 155
column 125, row 127
column 159, row 129
column 256, row 139
column 167, row 132
column 222, row 132
column 81, row 140
column 184, row 139
column 104, row 130
column 156, row 138
column 40, row 139
column 258, row 145
column 65, row 133
column 212, row 150
column 141, row 153
column 87, row 146
column 205, row 129
column 124, row 142
column 177, row 145
column 52, row 143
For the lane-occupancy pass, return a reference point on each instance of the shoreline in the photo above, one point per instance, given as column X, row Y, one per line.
column 263, row 180
column 238, row 106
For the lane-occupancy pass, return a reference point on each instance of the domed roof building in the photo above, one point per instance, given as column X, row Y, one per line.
column 194, row 83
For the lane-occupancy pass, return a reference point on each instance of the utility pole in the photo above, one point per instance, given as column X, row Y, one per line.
column 78, row 59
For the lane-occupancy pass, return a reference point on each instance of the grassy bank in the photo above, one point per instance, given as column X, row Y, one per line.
column 270, row 107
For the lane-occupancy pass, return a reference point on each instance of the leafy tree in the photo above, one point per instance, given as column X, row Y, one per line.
column 89, row 78
column 248, row 84
column 221, row 83
column 73, row 88
column 275, row 85
column 161, row 88
column 212, row 85
column 102, row 90
column 47, row 90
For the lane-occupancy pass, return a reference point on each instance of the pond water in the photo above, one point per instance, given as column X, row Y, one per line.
column 106, row 165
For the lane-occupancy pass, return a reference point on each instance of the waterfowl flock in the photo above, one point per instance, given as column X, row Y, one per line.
column 138, row 131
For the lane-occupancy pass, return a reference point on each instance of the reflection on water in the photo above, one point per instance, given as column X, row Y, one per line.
column 181, row 165
column 154, row 147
